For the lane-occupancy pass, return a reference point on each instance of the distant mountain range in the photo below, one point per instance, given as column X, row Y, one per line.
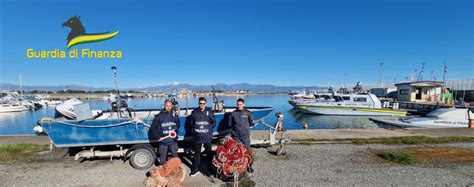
column 7, row 86
column 168, row 87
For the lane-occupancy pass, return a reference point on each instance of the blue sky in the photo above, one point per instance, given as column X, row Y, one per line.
column 263, row 42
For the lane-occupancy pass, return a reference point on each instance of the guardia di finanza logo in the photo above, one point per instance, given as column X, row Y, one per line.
column 78, row 36
column 78, row 33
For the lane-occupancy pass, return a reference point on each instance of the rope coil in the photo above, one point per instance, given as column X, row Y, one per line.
column 134, row 121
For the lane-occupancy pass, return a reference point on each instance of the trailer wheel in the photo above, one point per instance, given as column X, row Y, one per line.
column 142, row 159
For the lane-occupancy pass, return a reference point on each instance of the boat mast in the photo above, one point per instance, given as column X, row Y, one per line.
column 445, row 70
column 345, row 80
column 214, row 96
column 21, row 88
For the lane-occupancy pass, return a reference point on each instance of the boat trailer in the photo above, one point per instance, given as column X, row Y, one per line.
column 271, row 140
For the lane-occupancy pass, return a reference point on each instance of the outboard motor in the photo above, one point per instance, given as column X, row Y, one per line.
column 123, row 104
column 175, row 105
column 217, row 106
column 66, row 109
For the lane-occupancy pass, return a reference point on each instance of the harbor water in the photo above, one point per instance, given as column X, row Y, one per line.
column 23, row 122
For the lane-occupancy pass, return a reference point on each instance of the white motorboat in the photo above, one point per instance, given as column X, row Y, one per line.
column 316, row 98
column 28, row 104
column 41, row 97
column 45, row 102
column 54, row 102
column 356, row 104
column 110, row 97
column 12, row 107
column 129, row 95
column 6, row 96
column 440, row 118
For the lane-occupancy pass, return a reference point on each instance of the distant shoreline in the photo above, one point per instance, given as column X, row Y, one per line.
column 65, row 96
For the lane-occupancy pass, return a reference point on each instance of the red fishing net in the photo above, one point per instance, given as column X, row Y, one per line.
column 232, row 158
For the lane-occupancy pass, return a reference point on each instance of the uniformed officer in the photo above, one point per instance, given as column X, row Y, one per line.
column 165, row 122
column 202, row 122
column 241, row 120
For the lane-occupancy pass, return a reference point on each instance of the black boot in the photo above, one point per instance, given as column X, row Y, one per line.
column 250, row 169
column 194, row 172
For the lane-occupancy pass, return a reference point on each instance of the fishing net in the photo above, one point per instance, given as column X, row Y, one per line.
column 169, row 174
column 232, row 159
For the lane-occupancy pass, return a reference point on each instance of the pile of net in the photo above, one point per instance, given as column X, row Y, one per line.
column 232, row 158
column 169, row 174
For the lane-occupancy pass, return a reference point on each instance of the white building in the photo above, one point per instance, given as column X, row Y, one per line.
column 419, row 91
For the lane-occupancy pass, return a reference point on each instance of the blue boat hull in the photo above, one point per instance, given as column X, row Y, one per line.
column 72, row 133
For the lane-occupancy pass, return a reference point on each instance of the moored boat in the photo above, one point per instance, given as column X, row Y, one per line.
column 440, row 118
column 357, row 104
column 12, row 107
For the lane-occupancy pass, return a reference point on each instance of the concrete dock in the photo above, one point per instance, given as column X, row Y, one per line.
column 316, row 134
column 341, row 134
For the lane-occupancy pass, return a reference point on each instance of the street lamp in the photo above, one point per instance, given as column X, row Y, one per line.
column 114, row 69
column 380, row 78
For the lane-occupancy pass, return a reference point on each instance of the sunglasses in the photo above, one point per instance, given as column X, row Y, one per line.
column 202, row 103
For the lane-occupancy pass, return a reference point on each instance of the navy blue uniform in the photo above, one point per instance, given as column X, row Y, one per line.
column 163, row 124
column 241, row 121
column 202, row 123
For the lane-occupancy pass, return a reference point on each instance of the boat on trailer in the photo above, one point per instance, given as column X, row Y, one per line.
column 125, row 129
column 85, row 127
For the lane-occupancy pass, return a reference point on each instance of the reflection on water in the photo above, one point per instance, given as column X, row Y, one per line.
column 333, row 122
column 23, row 122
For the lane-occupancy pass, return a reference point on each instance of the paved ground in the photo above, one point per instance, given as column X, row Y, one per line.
column 337, row 133
column 348, row 164
column 304, row 165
